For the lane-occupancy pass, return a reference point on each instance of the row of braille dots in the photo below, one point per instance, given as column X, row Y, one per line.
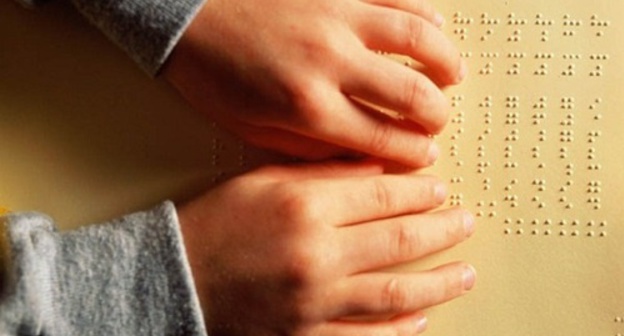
column 540, row 187
column 459, row 19
column 594, row 188
column 542, row 70
column 562, row 228
column 513, row 102
column 539, row 55
column 512, row 20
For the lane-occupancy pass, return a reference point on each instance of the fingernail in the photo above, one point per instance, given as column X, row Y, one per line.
column 469, row 224
column 434, row 153
column 463, row 71
column 469, row 278
column 440, row 193
column 421, row 324
column 439, row 20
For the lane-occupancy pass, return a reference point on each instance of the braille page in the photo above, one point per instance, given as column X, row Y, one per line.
column 534, row 149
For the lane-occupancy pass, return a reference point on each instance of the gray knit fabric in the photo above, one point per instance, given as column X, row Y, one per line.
column 146, row 29
column 126, row 277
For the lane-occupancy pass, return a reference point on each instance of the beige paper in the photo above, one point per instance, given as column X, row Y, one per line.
column 533, row 148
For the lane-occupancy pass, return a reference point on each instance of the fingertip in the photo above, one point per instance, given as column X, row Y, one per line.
column 421, row 323
column 469, row 223
column 440, row 192
column 462, row 72
column 433, row 153
column 439, row 20
column 469, row 277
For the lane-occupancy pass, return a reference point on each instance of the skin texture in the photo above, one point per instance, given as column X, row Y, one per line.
column 301, row 250
column 305, row 78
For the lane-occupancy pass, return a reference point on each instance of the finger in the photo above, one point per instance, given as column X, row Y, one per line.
column 292, row 144
column 409, row 324
column 397, row 32
column 387, row 293
column 359, row 128
column 421, row 8
column 324, row 170
column 390, row 85
column 397, row 240
column 357, row 200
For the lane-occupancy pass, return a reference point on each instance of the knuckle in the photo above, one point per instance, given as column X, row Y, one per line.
column 303, row 269
column 382, row 196
column 311, row 103
column 295, row 206
column 414, row 29
column 304, row 97
column 381, row 138
column 394, row 296
column 414, row 92
column 407, row 243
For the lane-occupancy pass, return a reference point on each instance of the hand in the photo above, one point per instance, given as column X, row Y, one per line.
column 300, row 251
column 302, row 76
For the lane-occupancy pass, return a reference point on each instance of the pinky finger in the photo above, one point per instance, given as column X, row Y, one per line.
column 404, row 325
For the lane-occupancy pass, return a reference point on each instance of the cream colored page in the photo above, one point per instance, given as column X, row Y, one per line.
column 532, row 147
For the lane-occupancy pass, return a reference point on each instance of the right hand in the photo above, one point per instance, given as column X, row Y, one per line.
column 291, row 75
column 301, row 250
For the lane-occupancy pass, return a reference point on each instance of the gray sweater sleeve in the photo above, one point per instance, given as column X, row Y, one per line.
column 126, row 277
column 146, row 29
